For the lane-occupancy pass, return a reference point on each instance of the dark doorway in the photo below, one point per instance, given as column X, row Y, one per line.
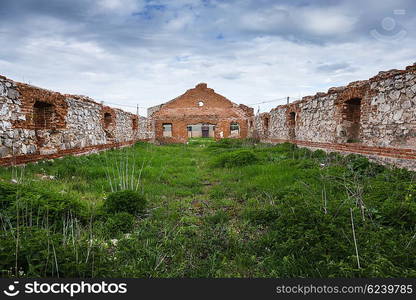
column 266, row 125
column 292, row 125
column 43, row 114
column 351, row 119
column 205, row 131
column 201, row 130
column 134, row 124
column 108, row 118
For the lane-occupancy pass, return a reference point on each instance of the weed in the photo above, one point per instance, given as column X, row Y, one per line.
column 125, row 201
column 235, row 159
column 262, row 211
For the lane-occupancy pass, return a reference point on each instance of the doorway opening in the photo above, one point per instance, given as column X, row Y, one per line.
column 43, row 114
column 134, row 124
column 266, row 125
column 108, row 119
column 292, row 125
column 351, row 116
column 201, row 130
column 205, row 131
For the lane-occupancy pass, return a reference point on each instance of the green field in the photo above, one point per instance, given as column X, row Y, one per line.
column 214, row 209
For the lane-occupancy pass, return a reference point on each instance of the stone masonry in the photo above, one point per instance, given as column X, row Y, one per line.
column 375, row 117
column 36, row 123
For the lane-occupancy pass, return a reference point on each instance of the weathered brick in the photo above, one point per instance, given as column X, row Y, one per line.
column 186, row 110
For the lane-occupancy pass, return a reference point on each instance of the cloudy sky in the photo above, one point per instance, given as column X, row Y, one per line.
column 149, row 51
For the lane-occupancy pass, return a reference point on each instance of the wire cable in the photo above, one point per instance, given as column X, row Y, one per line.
column 124, row 105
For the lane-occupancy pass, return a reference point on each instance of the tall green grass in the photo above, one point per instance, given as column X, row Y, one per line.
column 232, row 208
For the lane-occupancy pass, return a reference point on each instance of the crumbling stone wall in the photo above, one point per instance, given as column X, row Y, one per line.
column 375, row 117
column 261, row 125
column 82, row 127
column 36, row 123
column 200, row 105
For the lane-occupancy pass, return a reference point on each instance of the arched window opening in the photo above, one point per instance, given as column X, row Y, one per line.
column 43, row 115
column 108, row 119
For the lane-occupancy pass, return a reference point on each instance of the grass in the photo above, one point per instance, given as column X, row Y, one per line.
column 280, row 211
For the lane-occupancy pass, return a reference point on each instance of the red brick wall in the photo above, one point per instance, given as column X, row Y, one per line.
column 29, row 95
column 184, row 110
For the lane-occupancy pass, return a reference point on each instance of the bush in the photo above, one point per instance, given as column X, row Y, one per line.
column 235, row 158
column 125, row 201
column 362, row 166
column 227, row 144
column 319, row 154
column 121, row 222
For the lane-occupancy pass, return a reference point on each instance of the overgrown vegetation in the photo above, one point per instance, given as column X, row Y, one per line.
column 235, row 159
column 208, row 209
column 126, row 201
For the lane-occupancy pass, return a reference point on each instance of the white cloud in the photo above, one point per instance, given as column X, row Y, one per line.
column 326, row 21
column 121, row 7
column 242, row 51
column 268, row 19
column 179, row 22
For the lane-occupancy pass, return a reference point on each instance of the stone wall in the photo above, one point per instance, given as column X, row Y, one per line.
column 259, row 126
column 36, row 123
column 375, row 117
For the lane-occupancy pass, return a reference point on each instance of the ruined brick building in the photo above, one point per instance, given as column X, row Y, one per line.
column 199, row 112
column 375, row 118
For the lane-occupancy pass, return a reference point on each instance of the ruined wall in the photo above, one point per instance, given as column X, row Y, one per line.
column 36, row 123
column 259, row 126
column 186, row 110
column 375, row 117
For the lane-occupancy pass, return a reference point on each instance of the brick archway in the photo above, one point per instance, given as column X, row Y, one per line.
column 350, row 112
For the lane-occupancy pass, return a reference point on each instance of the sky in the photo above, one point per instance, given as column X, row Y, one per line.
column 146, row 52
